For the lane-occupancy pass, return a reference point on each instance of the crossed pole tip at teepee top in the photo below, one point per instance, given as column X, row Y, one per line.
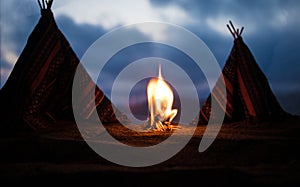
column 46, row 4
column 235, row 32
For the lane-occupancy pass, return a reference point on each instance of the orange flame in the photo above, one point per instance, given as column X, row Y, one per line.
column 160, row 101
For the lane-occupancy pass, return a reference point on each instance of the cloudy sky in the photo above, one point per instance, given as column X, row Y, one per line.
column 272, row 30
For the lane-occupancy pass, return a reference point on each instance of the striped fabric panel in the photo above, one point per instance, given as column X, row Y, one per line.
column 45, row 67
column 41, row 81
column 206, row 113
column 229, row 76
column 247, row 89
column 39, row 50
column 245, row 95
column 261, row 97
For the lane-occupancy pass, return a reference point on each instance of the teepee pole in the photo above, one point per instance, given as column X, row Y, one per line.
column 241, row 31
column 49, row 4
column 235, row 33
column 230, row 30
column 44, row 6
column 40, row 5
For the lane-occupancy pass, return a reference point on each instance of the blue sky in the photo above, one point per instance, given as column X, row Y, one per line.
column 272, row 30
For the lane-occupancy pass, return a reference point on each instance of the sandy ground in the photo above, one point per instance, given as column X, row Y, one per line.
column 243, row 154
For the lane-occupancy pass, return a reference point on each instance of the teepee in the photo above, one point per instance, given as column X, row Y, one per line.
column 249, row 96
column 39, row 89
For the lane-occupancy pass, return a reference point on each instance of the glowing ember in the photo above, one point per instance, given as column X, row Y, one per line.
column 160, row 101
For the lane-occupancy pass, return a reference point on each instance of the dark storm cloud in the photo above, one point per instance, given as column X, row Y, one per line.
column 274, row 23
column 272, row 32
column 80, row 36
column 17, row 21
column 132, row 53
column 258, row 11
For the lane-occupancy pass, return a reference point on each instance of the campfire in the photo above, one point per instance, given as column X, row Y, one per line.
column 160, row 101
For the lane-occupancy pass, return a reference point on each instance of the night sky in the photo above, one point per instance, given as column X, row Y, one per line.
column 272, row 30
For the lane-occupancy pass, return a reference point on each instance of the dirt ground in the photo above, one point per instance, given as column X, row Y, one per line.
column 243, row 154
